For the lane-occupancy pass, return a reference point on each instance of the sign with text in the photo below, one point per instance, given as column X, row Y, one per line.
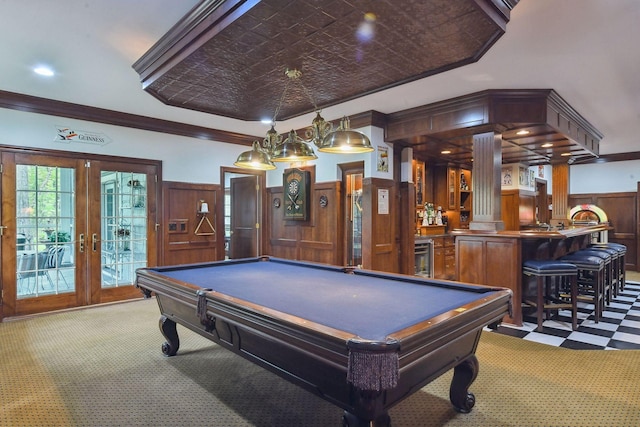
column 69, row 135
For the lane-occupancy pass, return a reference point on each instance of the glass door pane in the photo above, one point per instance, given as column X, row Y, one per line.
column 123, row 224
column 45, row 220
column 354, row 220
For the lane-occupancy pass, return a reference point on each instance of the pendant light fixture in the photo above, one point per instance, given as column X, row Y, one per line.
column 257, row 158
column 295, row 149
column 345, row 140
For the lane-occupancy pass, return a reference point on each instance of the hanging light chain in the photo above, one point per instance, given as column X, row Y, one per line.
column 284, row 93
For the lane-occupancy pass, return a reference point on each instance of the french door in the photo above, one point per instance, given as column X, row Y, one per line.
column 74, row 230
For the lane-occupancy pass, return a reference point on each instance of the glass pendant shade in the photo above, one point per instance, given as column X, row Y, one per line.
column 293, row 149
column 345, row 140
column 257, row 158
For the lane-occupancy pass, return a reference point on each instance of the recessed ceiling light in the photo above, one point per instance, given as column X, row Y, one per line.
column 266, row 121
column 547, row 145
column 43, row 70
column 523, row 132
column 445, row 152
column 565, row 154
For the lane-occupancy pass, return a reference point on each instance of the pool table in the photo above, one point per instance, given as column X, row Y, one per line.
column 362, row 340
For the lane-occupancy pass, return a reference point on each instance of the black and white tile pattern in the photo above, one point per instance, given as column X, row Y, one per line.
column 618, row 329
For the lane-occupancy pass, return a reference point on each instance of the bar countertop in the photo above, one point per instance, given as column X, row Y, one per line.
column 538, row 233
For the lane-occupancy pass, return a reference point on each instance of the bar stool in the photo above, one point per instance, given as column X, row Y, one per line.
column 553, row 279
column 590, row 280
column 622, row 252
column 615, row 267
column 610, row 281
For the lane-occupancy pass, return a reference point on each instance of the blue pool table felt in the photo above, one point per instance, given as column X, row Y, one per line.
column 369, row 307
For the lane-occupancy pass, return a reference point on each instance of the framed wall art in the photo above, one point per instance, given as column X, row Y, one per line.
column 296, row 187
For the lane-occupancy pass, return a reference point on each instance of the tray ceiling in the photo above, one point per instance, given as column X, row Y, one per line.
column 229, row 57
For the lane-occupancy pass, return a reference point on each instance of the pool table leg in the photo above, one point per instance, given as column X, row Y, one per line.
column 463, row 375
column 350, row 420
column 168, row 329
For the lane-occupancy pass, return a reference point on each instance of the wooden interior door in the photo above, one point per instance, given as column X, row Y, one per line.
column 244, row 239
column 542, row 207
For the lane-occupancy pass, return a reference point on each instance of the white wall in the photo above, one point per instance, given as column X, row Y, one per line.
column 614, row 177
column 183, row 159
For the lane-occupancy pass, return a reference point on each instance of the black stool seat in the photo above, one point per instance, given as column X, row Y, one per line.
column 548, row 268
column 583, row 260
column 612, row 245
column 556, row 288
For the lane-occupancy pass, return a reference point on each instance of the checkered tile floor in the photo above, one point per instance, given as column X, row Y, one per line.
column 619, row 328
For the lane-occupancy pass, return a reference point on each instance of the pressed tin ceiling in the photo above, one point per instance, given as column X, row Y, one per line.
column 229, row 57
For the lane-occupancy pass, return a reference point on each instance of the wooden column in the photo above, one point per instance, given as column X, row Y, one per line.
column 560, row 193
column 485, row 182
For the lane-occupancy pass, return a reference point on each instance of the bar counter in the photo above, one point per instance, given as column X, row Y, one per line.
column 495, row 258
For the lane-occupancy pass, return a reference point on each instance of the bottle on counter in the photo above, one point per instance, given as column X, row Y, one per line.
column 439, row 216
column 429, row 214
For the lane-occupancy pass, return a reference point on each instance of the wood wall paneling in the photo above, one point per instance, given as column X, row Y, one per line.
column 560, row 193
column 320, row 238
column 518, row 209
column 283, row 235
column 510, row 209
column 380, row 236
column 181, row 244
column 622, row 211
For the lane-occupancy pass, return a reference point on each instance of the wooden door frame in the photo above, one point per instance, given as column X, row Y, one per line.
column 262, row 200
column 346, row 169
